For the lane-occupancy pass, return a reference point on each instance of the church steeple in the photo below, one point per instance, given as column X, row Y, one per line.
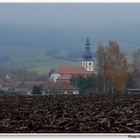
column 87, row 55
column 87, row 41
column 88, row 63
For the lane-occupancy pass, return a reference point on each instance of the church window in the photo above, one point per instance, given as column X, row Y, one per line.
column 84, row 63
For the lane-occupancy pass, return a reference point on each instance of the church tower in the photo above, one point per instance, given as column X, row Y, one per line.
column 87, row 61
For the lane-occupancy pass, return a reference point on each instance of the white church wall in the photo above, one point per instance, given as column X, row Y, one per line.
column 55, row 77
column 88, row 65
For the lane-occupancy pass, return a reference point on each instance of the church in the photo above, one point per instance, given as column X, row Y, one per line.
column 65, row 73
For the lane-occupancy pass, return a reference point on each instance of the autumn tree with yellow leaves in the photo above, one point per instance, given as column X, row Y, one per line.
column 115, row 67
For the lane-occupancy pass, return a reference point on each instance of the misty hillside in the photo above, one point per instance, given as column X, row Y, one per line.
column 42, row 59
column 31, row 58
column 41, row 50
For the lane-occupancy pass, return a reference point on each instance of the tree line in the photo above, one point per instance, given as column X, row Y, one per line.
column 113, row 72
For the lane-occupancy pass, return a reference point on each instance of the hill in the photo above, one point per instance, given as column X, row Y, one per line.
column 31, row 58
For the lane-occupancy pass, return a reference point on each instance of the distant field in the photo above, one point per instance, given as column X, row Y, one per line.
column 32, row 58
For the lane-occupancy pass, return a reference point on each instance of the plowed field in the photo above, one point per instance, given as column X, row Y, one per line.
column 70, row 114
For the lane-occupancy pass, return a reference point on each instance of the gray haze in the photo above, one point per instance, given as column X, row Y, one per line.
column 67, row 25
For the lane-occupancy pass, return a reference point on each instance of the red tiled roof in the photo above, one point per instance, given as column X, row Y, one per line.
column 66, row 76
column 55, row 86
column 59, row 86
column 72, row 70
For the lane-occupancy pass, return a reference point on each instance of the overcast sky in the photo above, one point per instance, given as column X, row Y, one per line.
column 69, row 15
column 54, row 22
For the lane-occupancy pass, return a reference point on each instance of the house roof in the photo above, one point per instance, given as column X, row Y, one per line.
column 66, row 76
column 54, row 86
column 72, row 70
column 59, row 86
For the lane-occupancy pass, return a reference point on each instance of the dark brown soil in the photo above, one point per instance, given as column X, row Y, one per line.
column 70, row 114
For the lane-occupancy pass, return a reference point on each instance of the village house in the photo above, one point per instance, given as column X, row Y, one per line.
column 25, row 87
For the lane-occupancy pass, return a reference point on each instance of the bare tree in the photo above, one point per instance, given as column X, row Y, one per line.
column 101, row 68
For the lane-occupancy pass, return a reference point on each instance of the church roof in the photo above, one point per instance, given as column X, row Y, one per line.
column 66, row 76
column 72, row 70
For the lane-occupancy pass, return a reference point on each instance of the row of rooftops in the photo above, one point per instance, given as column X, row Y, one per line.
column 53, row 86
column 29, row 85
column 66, row 74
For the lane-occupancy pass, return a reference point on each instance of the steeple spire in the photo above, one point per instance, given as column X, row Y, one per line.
column 87, row 55
column 87, row 41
